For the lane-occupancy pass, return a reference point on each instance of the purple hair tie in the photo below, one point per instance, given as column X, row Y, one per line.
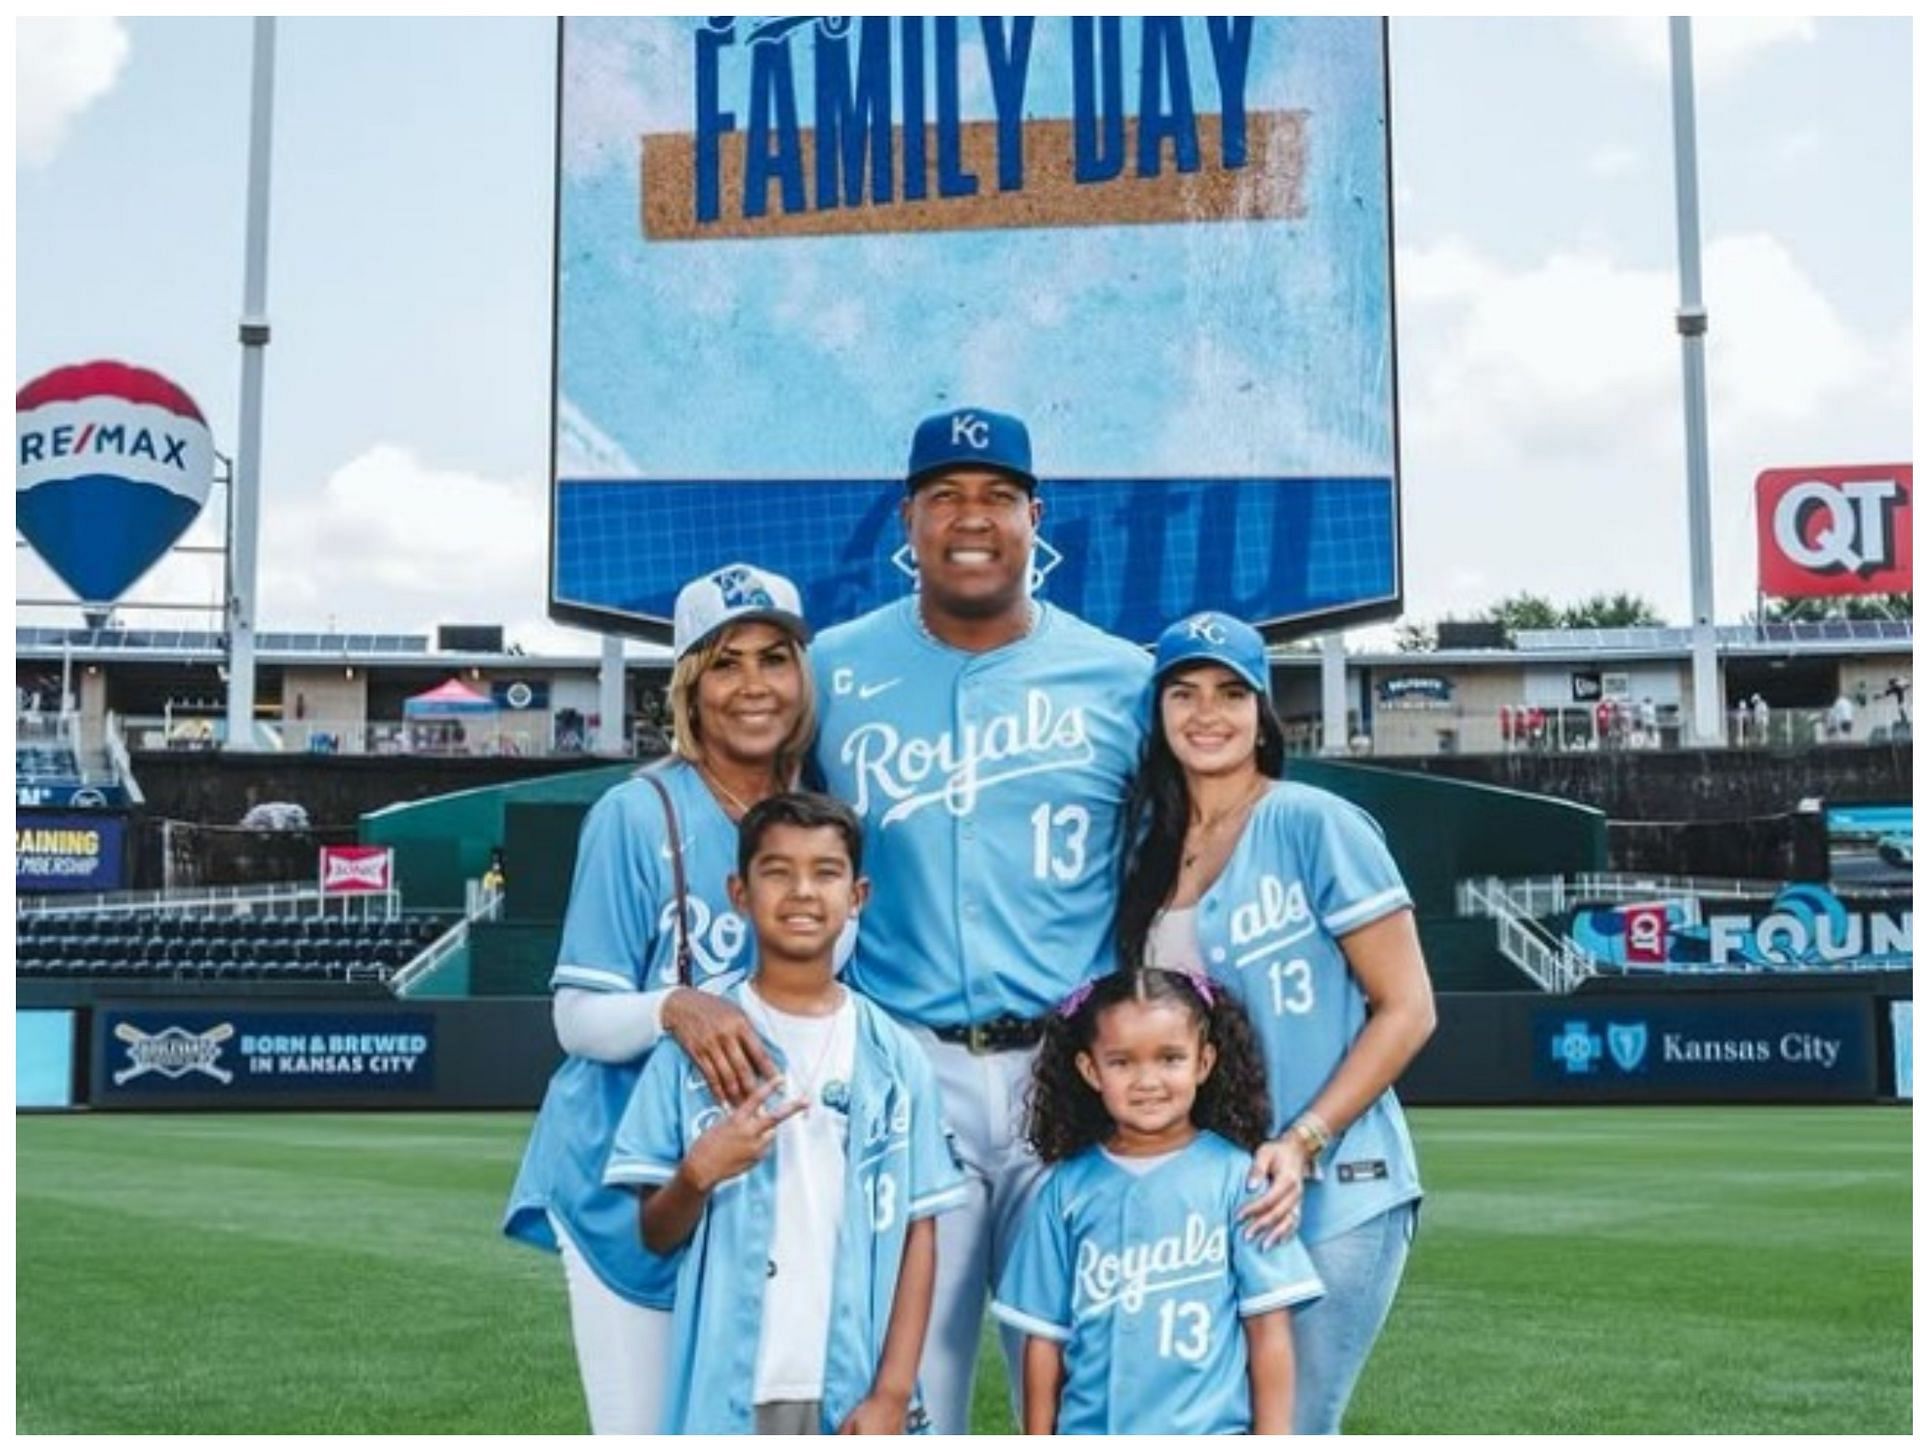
column 1076, row 997
column 1202, row 987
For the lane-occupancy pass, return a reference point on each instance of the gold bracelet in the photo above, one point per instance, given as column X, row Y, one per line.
column 1313, row 1133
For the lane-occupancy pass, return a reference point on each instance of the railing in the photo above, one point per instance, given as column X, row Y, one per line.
column 121, row 762
column 260, row 900
column 1579, row 729
column 431, row 959
column 1556, row 965
column 1540, row 895
column 529, row 735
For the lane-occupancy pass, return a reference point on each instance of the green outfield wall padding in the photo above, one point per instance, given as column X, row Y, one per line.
column 1444, row 831
column 1463, row 956
column 543, row 840
column 441, row 843
column 511, row 957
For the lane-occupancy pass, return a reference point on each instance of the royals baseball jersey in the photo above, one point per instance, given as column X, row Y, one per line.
column 899, row 1169
column 1144, row 1280
column 992, row 787
column 1308, row 869
column 620, row 935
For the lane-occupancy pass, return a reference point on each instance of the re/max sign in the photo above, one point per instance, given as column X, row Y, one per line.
column 811, row 125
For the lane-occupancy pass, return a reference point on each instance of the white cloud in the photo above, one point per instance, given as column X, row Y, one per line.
column 394, row 544
column 1611, row 162
column 1542, row 422
column 1800, row 145
column 61, row 66
column 1722, row 47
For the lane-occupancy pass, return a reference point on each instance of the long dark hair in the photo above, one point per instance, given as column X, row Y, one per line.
column 1156, row 821
column 1065, row 1114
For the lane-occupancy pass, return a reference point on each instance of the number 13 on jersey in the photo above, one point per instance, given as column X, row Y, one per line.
column 1060, row 841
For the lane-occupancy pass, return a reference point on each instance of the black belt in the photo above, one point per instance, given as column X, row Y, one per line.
column 1004, row 1032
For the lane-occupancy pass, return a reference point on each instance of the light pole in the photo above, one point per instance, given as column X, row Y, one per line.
column 243, row 496
column 1691, row 321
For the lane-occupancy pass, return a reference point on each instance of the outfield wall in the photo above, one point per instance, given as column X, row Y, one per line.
column 1678, row 1044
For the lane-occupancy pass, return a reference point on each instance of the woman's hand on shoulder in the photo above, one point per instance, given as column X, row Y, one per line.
column 1279, row 1172
column 720, row 1041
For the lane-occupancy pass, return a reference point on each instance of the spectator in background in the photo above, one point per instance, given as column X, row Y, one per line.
column 1762, row 720
column 1896, row 691
column 1742, row 723
column 1840, row 718
column 1649, row 720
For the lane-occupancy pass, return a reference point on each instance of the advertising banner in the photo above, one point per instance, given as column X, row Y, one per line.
column 1732, row 1046
column 42, row 1059
column 356, row 869
column 1804, row 927
column 68, row 850
column 1836, row 530
column 1900, row 1021
column 150, row 1054
column 1163, row 241
column 68, row 795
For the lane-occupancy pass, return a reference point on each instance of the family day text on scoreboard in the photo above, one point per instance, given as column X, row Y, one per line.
column 1164, row 241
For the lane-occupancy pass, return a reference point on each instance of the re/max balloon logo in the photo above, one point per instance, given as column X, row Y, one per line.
column 129, row 442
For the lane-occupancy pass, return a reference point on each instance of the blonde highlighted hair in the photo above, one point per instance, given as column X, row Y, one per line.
column 685, row 685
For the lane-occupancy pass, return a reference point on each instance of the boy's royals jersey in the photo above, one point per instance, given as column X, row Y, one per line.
column 900, row 1168
column 991, row 786
column 621, row 929
column 1145, row 1280
column 1309, row 868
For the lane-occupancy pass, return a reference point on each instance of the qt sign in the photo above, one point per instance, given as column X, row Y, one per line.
column 1837, row 530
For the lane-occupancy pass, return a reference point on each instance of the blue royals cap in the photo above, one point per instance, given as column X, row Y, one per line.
column 730, row 594
column 971, row 437
column 1214, row 639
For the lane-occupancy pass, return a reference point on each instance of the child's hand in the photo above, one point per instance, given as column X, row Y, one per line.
column 734, row 1145
column 878, row 1414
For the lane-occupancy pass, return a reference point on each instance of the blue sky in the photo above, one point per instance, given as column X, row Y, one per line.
column 406, row 427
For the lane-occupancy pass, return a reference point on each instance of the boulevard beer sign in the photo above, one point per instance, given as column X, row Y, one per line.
column 1163, row 240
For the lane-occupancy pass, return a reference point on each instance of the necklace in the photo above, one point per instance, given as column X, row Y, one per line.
column 1200, row 833
column 807, row 1085
column 713, row 784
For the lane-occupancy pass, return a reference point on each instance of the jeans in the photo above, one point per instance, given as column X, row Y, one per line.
column 1333, row 1336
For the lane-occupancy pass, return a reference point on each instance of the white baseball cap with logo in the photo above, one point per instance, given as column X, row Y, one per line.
column 731, row 594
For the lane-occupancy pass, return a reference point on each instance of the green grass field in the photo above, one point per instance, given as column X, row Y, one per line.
column 1576, row 1270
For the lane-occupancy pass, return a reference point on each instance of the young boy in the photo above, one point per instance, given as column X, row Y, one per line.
column 806, row 1212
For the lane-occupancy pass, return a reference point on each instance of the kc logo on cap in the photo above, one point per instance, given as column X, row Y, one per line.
column 971, row 429
column 970, row 437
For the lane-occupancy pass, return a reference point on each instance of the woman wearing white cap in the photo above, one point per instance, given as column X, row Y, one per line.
column 647, row 925
column 1287, row 894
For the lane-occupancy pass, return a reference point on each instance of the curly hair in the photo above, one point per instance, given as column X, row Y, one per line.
column 1065, row 1114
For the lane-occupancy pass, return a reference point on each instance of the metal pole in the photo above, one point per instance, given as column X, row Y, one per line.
column 1333, row 693
column 1691, row 321
column 243, row 496
column 612, row 739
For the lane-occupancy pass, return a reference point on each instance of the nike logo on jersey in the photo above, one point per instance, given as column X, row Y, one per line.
column 867, row 692
column 1126, row 1277
column 898, row 778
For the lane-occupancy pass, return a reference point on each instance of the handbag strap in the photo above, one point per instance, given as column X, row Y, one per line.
column 683, row 946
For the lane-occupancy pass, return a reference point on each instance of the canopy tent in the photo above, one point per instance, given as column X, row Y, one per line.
column 451, row 700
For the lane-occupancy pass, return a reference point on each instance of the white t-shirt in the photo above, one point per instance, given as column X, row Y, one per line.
column 1173, row 941
column 810, row 1151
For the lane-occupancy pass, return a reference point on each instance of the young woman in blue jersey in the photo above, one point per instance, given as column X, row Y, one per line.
column 648, row 927
column 1286, row 896
column 1147, row 1308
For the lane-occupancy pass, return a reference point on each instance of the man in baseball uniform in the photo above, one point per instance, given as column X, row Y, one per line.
column 986, row 740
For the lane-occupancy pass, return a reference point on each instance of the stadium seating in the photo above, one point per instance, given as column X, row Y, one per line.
column 191, row 946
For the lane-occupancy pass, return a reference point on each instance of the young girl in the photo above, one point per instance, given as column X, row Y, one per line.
column 1146, row 1308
